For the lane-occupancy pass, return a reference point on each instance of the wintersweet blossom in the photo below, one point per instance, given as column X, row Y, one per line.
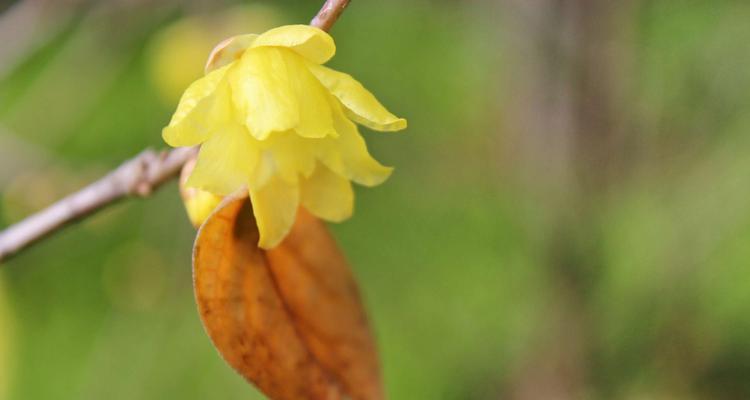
column 272, row 120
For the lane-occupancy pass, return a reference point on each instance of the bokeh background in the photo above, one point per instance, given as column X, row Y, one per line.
column 569, row 217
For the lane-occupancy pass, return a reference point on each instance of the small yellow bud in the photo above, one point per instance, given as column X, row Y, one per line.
column 199, row 204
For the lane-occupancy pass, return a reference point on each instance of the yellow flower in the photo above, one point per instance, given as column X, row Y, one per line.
column 273, row 120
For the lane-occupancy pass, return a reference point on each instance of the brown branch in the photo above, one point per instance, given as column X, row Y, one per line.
column 329, row 13
column 137, row 177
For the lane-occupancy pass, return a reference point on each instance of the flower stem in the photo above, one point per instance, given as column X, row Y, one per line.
column 329, row 13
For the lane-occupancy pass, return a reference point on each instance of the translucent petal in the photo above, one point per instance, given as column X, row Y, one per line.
column 264, row 170
column 275, row 208
column 315, row 110
column 226, row 161
column 327, row 195
column 347, row 155
column 229, row 50
column 307, row 41
column 362, row 106
column 292, row 155
column 262, row 90
column 276, row 92
column 186, row 129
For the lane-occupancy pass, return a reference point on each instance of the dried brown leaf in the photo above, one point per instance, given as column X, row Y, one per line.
column 290, row 319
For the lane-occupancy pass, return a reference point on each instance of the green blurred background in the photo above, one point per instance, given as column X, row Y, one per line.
column 569, row 217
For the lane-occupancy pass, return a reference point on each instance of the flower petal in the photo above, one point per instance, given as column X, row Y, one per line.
column 275, row 208
column 226, row 161
column 292, row 155
column 312, row 43
column 327, row 195
column 277, row 93
column 190, row 124
column 262, row 90
column 347, row 155
column 315, row 110
column 362, row 106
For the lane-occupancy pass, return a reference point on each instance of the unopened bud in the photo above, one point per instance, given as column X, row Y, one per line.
column 199, row 204
column 229, row 50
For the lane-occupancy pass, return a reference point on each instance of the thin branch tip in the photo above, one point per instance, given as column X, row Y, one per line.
column 329, row 14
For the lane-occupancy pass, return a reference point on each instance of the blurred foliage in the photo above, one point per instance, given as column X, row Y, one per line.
column 6, row 338
column 178, row 52
column 455, row 257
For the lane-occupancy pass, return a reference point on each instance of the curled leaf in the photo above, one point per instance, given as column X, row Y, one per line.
column 289, row 319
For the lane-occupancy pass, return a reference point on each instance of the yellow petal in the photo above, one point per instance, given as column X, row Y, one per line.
column 362, row 106
column 291, row 155
column 315, row 110
column 347, row 155
column 277, row 93
column 275, row 208
column 327, row 195
column 261, row 89
column 264, row 170
column 226, row 161
column 190, row 122
column 310, row 42
column 228, row 51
